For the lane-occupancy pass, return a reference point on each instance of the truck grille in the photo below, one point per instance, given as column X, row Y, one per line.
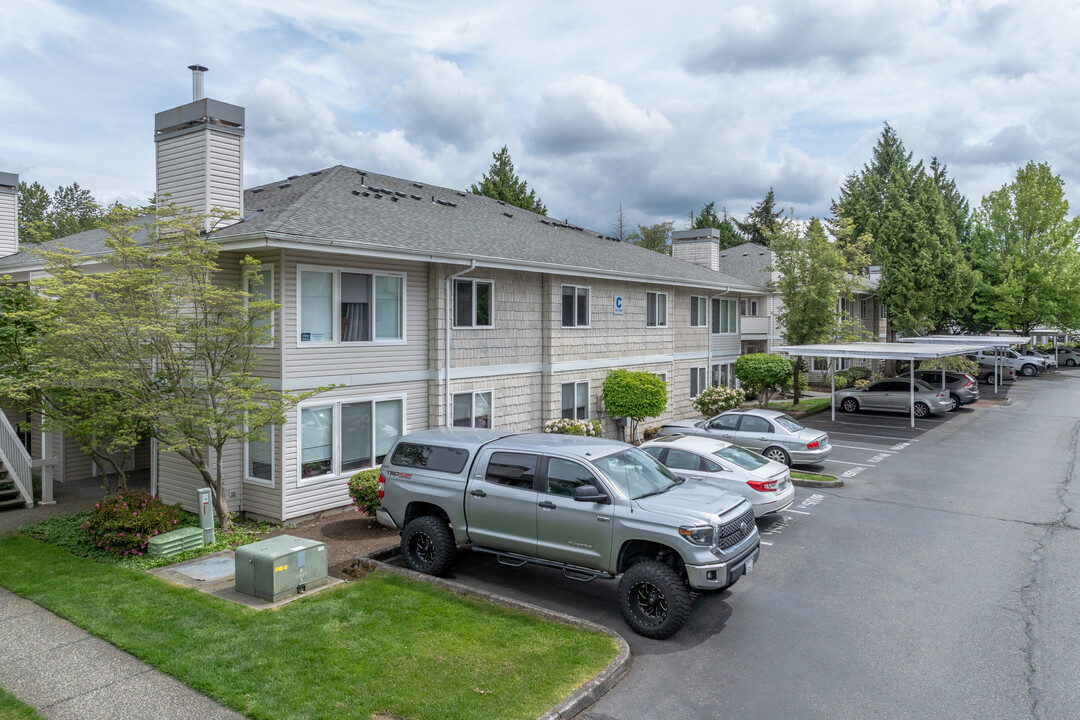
column 734, row 532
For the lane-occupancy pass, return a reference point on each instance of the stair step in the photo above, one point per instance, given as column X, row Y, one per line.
column 15, row 504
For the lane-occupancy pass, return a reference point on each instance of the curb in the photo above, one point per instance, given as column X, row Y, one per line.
column 577, row 701
column 835, row 483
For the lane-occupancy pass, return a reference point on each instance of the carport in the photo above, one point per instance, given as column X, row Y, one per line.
column 909, row 351
column 998, row 342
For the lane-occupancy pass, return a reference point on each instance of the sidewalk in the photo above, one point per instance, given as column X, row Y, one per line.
column 64, row 672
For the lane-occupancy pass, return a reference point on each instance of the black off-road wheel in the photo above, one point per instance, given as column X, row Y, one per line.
column 654, row 600
column 427, row 545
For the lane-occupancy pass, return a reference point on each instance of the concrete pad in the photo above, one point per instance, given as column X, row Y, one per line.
column 38, row 632
column 147, row 696
column 71, row 670
column 211, row 567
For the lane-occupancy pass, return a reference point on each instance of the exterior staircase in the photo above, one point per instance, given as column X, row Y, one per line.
column 16, row 474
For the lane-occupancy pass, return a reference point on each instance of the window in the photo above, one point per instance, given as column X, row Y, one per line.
column 748, row 307
column 259, row 462
column 565, row 476
column 472, row 303
column 575, row 400
column 697, row 381
column 260, row 285
column 862, row 309
column 699, row 310
column 343, row 306
column 755, row 424
column 753, row 307
column 472, row 409
column 844, row 306
column 725, row 316
column 346, row 436
column 512, row 469
column 575, row 306
column 881, row 311
column 682, row 460
column 724, row 422
column 430, row 457
column 722, row 375
column 656, row 309
column 662, row 376
column 820, row 364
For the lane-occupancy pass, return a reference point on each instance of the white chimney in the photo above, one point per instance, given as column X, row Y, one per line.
column 700, row 246
column 9, row 214
column 200, row 155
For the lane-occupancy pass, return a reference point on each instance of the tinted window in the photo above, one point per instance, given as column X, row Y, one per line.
column 710, row 466
column 565, row 476
column 513, row 469
column 682, row 460
column 635, row 473
column 431, row 457
column 654, row 451
column 743, row 458
column 930, row 377
column 753, row 423
column 724, row 422
column 790, row 424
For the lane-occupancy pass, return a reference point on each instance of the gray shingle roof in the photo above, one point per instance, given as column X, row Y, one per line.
column 748, row 262
column 368, row 211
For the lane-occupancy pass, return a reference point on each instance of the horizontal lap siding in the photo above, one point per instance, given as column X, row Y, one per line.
column 225, row 172
column 270, row 356
column 340, row 361
column 181, row 171
column 263, row 501
column 9, row 225
column 329, row 494
column 177, row 481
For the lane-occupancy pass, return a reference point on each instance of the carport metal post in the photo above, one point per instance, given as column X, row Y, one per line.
column 911, row 388
column 832, row 398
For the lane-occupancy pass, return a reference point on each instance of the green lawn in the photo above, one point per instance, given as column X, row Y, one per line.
column 384, row 644
column 799, row 475
column 806, row 406
column 12, row 709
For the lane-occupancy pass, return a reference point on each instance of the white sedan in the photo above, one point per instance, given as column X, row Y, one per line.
column 765, row 483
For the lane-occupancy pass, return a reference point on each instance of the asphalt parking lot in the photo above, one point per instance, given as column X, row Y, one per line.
column 940, row 583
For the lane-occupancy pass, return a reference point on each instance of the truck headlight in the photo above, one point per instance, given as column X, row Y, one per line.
column 698, row 534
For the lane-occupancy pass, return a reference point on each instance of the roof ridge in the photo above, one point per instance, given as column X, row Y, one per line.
column 294, row 207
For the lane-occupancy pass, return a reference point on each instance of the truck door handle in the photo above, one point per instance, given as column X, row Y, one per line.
column 547, row 504
column 478, row 493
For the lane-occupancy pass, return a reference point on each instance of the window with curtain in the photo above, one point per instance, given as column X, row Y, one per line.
column 365, row 306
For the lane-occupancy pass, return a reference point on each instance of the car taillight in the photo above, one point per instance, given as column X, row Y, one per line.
column 382, row 486
column 762, row 485
column 812, row 445
column 967, row 384
column 941, row 395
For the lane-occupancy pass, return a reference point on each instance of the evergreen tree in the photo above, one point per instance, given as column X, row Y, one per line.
column 707, row 218
column 762, row 220
column 500, row 182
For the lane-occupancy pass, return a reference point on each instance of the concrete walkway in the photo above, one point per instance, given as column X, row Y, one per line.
column 64, row 672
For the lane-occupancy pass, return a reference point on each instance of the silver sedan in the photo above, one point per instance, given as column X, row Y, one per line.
column 765, row 483
column 894, row 395
column 769, row 432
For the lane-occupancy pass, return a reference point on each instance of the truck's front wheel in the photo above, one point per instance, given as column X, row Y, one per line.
column 653, row 599
column 427, row 544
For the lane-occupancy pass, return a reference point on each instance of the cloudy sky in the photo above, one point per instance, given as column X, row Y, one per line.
column 659, row 107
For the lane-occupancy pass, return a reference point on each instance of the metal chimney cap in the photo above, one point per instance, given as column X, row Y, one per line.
column 199, row 68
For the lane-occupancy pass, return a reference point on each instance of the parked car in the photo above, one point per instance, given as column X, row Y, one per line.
column 1068, row 356
column 770, row 432
column 765, row 483
column 1026, row 366
column 1050, row 358
column 986, row 372
column 894, row 395
column 589, row 507
column 963, row 388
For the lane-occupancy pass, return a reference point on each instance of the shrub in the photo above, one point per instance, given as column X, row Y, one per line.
column 715, row 400
column 861, row 383
column 857, row 373
column 364, row 490
column 841, row 381
column 953, row 363
column 763, row 372
column 635, row 395
column 804, row 382
column 650, row 432
column 123, row 524
column 566, row 426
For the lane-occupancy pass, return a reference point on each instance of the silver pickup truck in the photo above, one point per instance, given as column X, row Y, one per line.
column 590, row 507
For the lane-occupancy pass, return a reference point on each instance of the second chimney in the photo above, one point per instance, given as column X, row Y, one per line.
column 9, row 214
column 200, row 155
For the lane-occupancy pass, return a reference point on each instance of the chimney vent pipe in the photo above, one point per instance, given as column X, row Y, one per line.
column 197, row 81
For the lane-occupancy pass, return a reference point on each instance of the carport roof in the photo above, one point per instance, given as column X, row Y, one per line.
column 881, row 351
column 984, row 341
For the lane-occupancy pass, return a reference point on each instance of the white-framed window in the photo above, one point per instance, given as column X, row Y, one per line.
column 725, row 316
column 347, row 306
column 722, row 375
column 656, row 309
column 662, row 376
column 342, row 436
column 472, row 409
column 820, row 364
column 474, row 303
column 699, row 311
column 881, row 311
column 697, row 381
column 575, row 400
column 575, row 306
column 260, row 285
column 844, row 306
column 753, row 307
column 259, row 458
column 862, row 309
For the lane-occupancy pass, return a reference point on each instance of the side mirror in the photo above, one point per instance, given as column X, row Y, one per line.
column 588, row 493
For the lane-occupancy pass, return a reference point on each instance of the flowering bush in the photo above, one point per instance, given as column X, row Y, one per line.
column 566, row 426
column 364, row 490
column 715, row 400
column 124, row 523
column 861, row 383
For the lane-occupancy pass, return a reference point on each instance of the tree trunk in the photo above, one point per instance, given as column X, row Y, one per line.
column 795, row 392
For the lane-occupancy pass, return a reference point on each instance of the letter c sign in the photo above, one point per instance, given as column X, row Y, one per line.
column 618, row 305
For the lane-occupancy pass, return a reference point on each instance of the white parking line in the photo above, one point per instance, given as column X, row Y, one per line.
column 883, row 437
column 843, row 462
column 880, row 427
column 765, row 543
column 795, row 511
column 859, row 447
column 879, row 457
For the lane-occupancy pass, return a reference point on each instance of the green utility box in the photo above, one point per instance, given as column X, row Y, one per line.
column 176, row 541
column 281, row 566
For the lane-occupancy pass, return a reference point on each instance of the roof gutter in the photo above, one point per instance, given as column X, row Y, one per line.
column 450, row 324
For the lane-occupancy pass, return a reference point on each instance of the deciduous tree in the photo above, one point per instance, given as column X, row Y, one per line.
column 654, row 237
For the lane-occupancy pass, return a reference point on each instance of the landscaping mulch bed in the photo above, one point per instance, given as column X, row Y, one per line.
column 348, row 535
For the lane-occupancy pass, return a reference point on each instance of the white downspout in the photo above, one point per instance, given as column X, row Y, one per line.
column 449, row 324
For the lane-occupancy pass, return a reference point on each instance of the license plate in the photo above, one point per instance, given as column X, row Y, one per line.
column 749, row 567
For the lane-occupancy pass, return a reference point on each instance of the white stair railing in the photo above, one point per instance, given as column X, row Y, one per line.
column 16, row 460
